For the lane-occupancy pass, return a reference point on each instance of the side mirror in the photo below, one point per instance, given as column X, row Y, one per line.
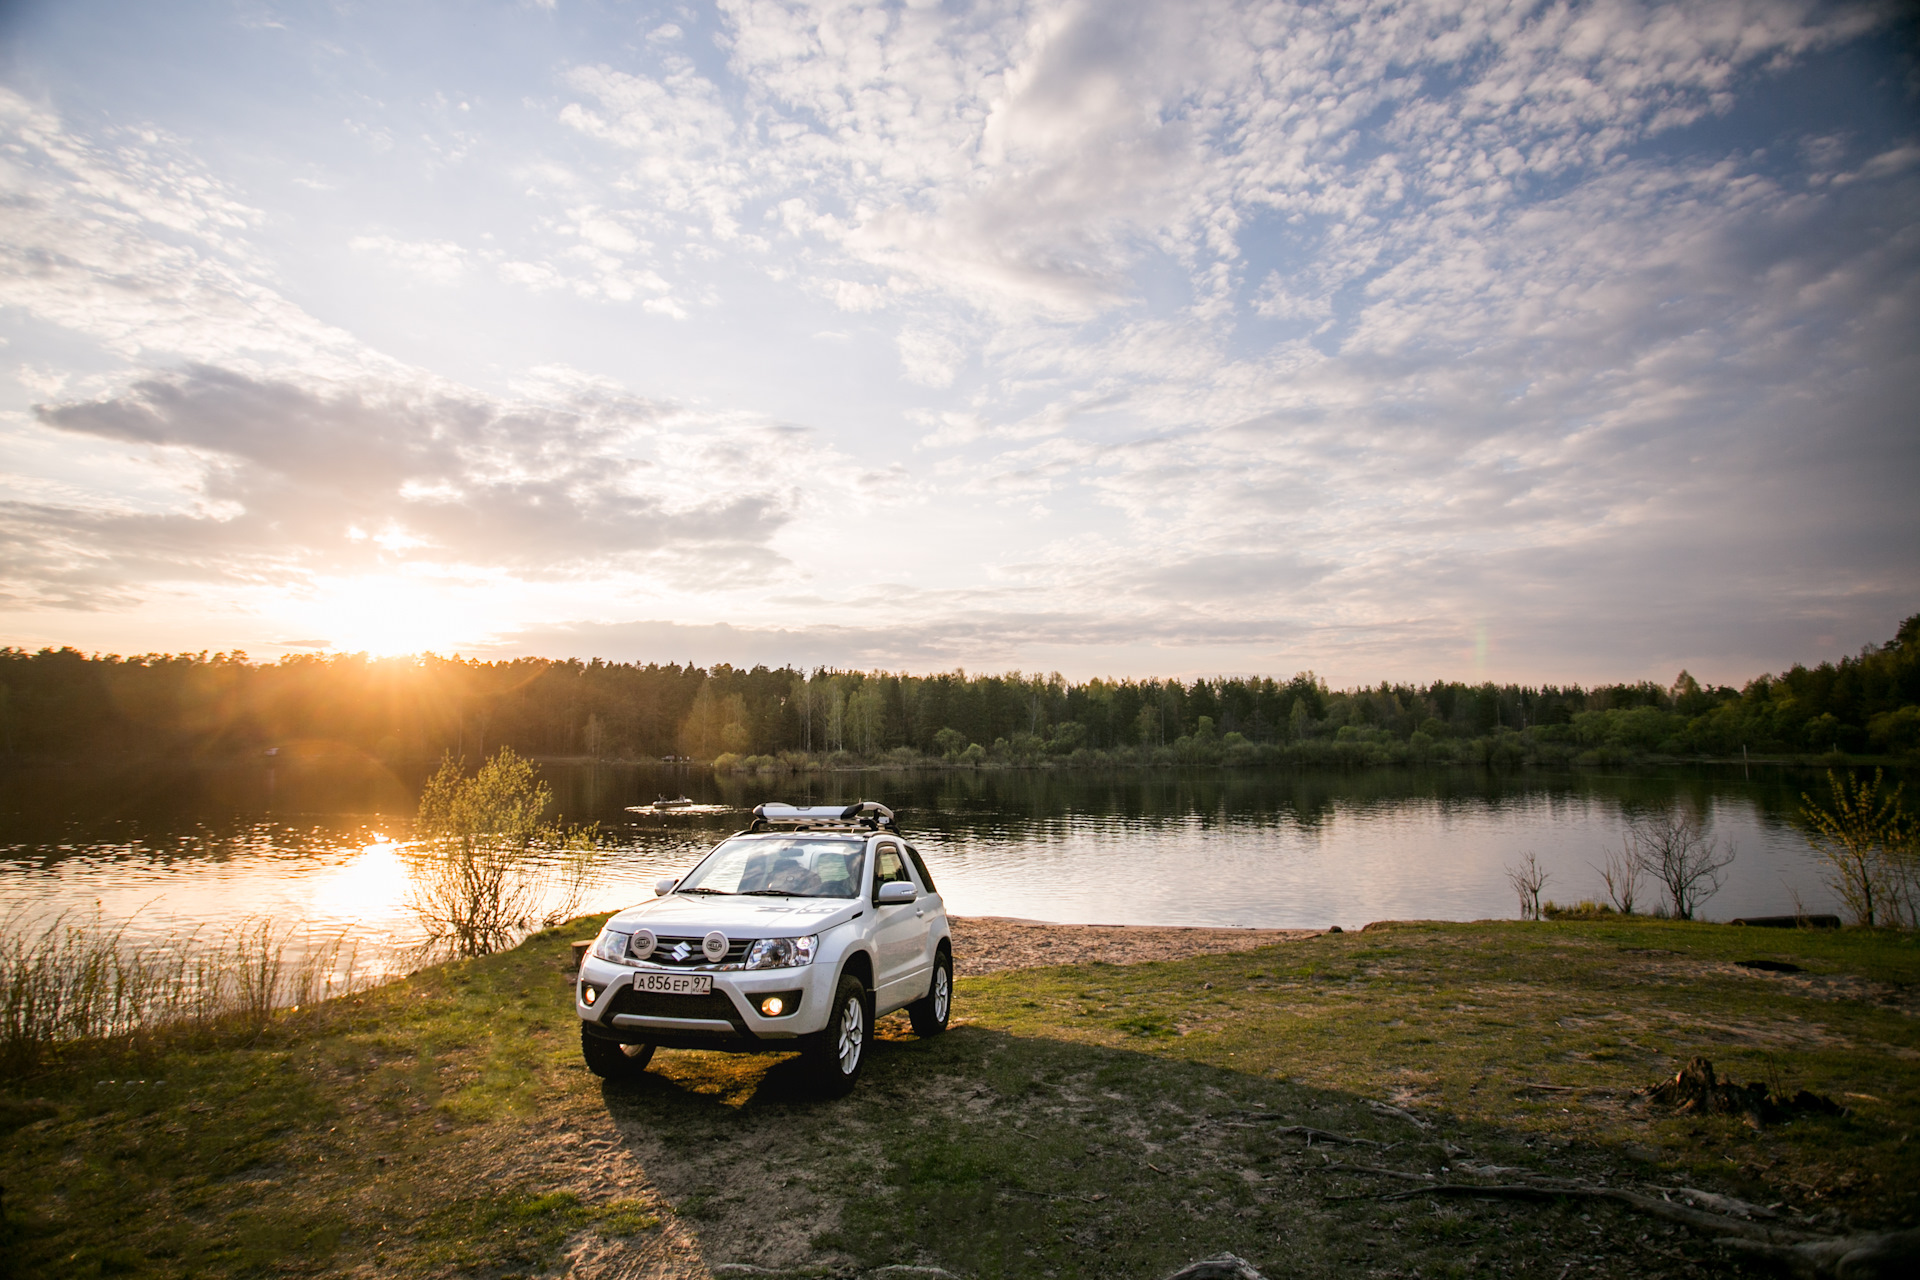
column 895, row 892
column 662, row 888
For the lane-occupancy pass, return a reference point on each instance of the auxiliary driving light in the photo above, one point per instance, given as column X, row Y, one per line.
column 773, row 1006
column 589, row 994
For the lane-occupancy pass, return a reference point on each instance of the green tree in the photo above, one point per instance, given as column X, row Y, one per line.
column 1147, row 726
column 866, row 717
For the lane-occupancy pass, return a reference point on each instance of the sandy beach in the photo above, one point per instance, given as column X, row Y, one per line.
column 987, row 944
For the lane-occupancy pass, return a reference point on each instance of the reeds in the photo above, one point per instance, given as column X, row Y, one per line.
column 65, row 981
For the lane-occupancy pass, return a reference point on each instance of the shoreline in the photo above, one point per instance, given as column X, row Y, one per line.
column 994, row 944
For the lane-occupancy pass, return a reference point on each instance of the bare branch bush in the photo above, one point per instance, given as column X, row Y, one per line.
column 1528, row 879
column 1867, row 844
column 1620, row 872
column 575, row 848
column 1677, row 854
column 487, row 868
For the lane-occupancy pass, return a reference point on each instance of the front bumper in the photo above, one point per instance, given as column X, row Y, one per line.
column 729, row 1018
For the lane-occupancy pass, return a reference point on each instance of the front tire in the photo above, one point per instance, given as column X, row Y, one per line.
column 929, row 1013
column 837, row 1056
column 611, row 1060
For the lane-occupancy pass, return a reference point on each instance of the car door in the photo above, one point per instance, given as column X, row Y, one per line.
column 933, row 919
column 899, row 932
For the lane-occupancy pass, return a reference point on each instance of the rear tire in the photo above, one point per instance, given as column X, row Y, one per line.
column 611, row 1060
column 929, row 1013
column 839, row 1052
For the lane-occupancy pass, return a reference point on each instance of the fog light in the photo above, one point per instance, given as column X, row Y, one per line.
column 589, row 994
column 773, row 1006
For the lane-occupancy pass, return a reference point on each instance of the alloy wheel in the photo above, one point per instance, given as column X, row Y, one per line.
column 852, row 1034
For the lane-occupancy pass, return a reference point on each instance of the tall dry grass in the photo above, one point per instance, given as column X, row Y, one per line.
column 67, row 981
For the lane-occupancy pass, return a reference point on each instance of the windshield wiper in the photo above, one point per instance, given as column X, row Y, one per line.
column 725, row 893
column 770, row 893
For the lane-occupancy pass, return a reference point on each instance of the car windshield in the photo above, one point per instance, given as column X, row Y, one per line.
column 791, row 867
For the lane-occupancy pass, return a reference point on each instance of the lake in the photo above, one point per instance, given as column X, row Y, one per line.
column 172, row 850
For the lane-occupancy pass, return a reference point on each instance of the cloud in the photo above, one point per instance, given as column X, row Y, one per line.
column 1362, row 326
column 305, row 480
column 132, row 244
column 435, row 261
column 976, row 638
column 930, row 359
column 682, row 137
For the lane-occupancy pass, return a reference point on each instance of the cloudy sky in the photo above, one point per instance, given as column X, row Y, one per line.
column 1392, row 340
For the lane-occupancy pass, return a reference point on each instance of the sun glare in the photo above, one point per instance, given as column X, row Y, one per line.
column 372, row 884
column 392, row 615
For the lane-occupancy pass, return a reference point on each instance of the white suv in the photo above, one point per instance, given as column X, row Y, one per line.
column 794, row 934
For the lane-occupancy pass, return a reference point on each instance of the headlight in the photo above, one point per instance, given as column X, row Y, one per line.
column 781, row 953
column 611, row 945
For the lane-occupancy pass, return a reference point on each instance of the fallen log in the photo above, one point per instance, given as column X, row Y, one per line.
column 1788, row 922
column 1224, row 1266
column 1864, row 1257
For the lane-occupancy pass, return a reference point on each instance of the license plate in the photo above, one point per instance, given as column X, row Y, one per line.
column 674, row 984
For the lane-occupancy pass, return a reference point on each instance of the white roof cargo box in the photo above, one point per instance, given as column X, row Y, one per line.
column 864, row 812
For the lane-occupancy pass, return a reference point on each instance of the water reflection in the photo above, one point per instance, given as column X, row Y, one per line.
column 320, row 842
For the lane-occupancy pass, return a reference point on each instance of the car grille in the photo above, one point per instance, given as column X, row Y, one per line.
column 660, row 1004
column 663, row 949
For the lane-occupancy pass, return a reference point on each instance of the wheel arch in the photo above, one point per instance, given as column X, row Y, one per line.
column 859, row 963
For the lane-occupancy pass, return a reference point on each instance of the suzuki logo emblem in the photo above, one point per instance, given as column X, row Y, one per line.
column 681, row 952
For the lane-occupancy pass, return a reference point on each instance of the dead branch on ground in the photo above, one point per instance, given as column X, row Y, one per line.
column 1308, row 1132
column 1388, row 1109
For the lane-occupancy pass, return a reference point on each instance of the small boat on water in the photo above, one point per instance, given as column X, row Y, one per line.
column 679, row 804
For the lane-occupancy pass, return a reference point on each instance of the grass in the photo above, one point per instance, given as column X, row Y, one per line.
column 78, row 979
column 1081, row 1120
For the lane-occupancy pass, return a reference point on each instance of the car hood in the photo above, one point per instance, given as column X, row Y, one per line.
column 692, row 915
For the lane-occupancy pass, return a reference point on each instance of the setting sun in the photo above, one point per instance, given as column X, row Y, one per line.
column 392, row 614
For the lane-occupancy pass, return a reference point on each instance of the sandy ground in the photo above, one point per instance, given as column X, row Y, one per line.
column 987, row 944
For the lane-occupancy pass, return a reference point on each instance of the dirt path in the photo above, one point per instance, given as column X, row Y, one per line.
column 987, row 944
column 716, row 1136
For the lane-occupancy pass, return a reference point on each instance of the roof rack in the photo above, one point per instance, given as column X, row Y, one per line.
column 862, row 813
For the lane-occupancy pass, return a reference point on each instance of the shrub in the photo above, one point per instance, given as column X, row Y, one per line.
column 1867, row 842
column 1620, row 872
column 1586, row 909
column 488, row 868
column 1528, row 879
column 1676, row 852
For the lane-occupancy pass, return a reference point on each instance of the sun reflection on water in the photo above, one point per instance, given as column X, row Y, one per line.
column 371, row 885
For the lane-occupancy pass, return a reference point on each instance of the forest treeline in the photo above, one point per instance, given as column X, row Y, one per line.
column 62, row 704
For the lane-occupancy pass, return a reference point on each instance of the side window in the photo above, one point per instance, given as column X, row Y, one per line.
column 921, row 867
column 888, row 867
